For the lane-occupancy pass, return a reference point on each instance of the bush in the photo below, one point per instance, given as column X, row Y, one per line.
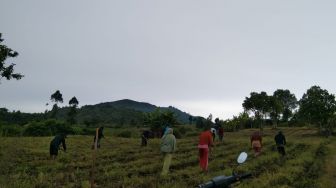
column 125, row 134
column 177, row 133
column 191, row 134
column 10, row 130
column 77, row 130
column 182, row 130
column 47, row 128
column 88, row 131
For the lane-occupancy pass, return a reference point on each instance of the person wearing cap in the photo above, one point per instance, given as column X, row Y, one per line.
column 168, row 146
column 204, row 145
column 280, row 141
column 55, row 143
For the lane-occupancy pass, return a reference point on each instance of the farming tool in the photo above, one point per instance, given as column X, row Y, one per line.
column 226, row 181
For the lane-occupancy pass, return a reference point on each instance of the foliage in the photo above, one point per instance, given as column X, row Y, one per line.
column 47, row 128
column 237, row 122
column 125, row 134
column 288, row 102
column 10, row 130
column 158, row 119
column 275, row 108
column 73, row 102
column 56, row 98
column 258, row 103
column 18, row 118
column 317, row 106
column 200, row 122
column 73, row 111
column 7, row 71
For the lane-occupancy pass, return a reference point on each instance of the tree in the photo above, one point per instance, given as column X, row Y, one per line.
column 158, row 119
column 7, row 71
column 56, row 98
column 287, row 101
column 317, row 106
column 190, row 119
column 199, row 122
column 73, row 103
column 275, row 108
column 208, row 122
column 258, row 103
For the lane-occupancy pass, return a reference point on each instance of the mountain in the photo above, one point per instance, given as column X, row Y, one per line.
column 120, row 112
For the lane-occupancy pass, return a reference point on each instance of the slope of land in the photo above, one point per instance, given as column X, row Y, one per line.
column 122, row 162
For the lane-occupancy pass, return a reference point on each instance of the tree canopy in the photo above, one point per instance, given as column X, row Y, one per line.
column 7, row 71
column 73, row 102
column 317, row 106
column 287, row 102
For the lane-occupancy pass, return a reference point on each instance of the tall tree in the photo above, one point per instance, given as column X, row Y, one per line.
column 7, row 71
column 275, row 108
column 56, row 98
column 287, row 101
column 317, row 106
column 73, row 103
column 258, row 103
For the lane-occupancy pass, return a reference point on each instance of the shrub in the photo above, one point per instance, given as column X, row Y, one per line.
column 88, row 131
column 177, row 133
column 10, row 130
column 47, row 128
column 125, row 134
column 182, row 130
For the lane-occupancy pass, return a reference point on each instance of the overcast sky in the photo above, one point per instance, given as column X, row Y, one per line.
column 199, row 56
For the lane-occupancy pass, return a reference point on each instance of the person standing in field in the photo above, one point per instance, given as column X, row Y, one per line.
column 256, row 143
column 168, row 146
column 221, row 133
column 144, row 138
column 54, row 145
column 204, row 145
column 100, row 136
column 280, row 141
column 213, row 132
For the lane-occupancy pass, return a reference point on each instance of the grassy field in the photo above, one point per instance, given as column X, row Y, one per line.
column 121, row 162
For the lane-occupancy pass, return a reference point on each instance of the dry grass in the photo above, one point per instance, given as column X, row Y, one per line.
column 123, row 163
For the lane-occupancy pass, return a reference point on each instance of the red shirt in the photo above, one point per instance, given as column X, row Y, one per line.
column 205, row 138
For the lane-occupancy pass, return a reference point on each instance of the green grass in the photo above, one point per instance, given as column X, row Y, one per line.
column 121, row 162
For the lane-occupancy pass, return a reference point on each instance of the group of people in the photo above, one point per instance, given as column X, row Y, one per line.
column 256, row 143
column 168, row 144
column 60, row 139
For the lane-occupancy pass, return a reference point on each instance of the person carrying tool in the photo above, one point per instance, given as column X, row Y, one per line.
column 54, row 145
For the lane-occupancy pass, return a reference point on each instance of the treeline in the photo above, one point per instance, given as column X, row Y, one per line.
column 317, row 107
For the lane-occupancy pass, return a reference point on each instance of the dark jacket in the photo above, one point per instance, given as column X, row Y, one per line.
column 280, row 139
column 57, row 141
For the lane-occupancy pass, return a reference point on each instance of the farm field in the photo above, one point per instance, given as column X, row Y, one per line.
column 121, row 162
